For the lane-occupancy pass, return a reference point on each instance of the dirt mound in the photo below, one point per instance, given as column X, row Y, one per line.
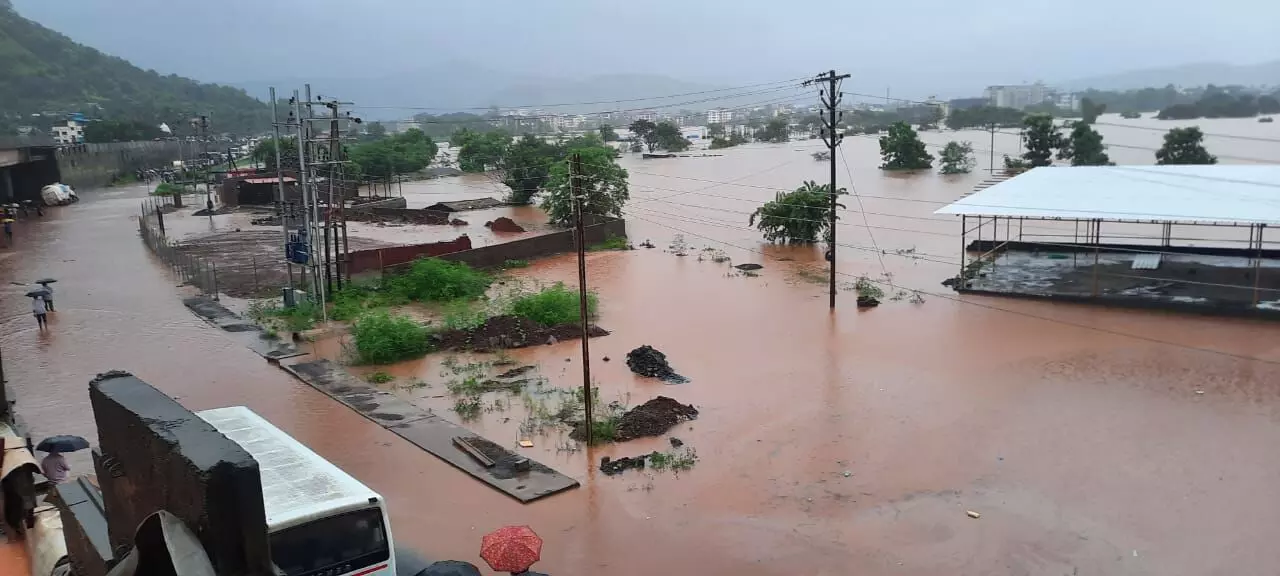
column 504, row 224
column 648, row 361
column 653, row 418
column 500, row 332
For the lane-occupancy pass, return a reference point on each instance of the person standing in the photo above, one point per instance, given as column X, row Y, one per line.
column 48, row 297
column 38, row 310
column 8, row 230
column 55, row 467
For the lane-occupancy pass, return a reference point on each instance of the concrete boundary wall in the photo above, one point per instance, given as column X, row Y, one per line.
column 538, row 246
column 93, row 165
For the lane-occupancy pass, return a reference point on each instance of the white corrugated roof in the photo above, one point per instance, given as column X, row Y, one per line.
column 296, row 482
column 1221, row 194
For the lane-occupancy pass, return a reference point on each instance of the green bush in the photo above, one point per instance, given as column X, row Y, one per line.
column 356, row 299
column 610, row 243
column 383, row 338
column 553, row 305
column 436, row 280
column 462, row 315
column 509, row 264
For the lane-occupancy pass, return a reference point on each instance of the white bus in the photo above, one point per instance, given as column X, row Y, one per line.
column 320, row 520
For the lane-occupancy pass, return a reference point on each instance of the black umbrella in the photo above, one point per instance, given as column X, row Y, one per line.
column 450, row 568
column 62, row 444
column 41, row 292
column 46, row 281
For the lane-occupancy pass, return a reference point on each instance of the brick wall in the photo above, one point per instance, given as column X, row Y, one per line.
column 157, row 455
column 537, row 246
column 378, row 258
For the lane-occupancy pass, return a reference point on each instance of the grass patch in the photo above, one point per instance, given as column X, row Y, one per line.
column 676, row 460
column 167, row 189
column 553, row 305
column 379, row 377
column 866, row 287
column 610, row 243
column 300, row 318
column 468, row 407
column 383, row 338
column 356, row 299
column 462, row 315
column 436, row 280
column 510, row 264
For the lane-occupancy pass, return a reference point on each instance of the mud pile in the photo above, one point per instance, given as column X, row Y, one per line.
column 504, row 224
column 648, row 361
column 653, row 418
column 499, row 332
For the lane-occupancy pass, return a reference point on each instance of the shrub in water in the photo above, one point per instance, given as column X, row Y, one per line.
column 553, row 305
column 436, row 280
column 382, row 338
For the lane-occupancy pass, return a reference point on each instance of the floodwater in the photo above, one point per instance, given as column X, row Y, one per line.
column 1089, row 440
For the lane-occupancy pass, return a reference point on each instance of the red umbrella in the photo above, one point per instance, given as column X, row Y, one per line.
column 511, row 548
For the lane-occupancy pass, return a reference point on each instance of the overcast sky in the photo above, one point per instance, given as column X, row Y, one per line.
column 943, row 45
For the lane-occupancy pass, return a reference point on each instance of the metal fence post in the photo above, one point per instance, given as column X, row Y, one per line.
column 214, row 276
column 255, row 275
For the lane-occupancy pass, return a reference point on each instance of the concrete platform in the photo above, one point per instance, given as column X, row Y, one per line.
column 430, row 432
column 240, row 330
column 1202, row 283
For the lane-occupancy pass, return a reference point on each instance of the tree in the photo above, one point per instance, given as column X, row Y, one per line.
column 1267, row 104
column 715, row 130
column 733, row 140
column 983, row 116
column 603, row 182
column 527, row 166
column 1091, row 110
column 1084, row 147
column 607, row 134
column 670, row 138
column 1040, row 137
column 957, row 158
column 375, row 131
column 400, row 154
column 902, row 149
column 265, row 153
column 482, row 151
column 1184, row 146
column 798, row 217
column 775, row 131
column 646, row 131
column 120, row 131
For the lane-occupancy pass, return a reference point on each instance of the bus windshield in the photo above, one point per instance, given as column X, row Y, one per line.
column 332, row 546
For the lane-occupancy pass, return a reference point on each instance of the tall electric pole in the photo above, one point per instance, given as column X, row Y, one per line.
column 830, row 98
column 281, row 200
column 575, row 187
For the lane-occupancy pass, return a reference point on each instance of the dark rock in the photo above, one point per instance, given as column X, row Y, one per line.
column 867, row 302
column 748, row 266
column 614, row 467
column 676, row 442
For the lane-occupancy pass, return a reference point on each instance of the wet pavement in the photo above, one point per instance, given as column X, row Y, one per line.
column 1090, row 440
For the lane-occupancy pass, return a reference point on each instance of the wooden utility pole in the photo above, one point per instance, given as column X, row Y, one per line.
column 830, row 98
column 991, row 154
column 282, row 202
column 575, row 188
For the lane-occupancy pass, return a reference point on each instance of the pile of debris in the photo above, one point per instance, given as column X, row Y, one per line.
column 648, row 361
column 506, row 331
column 503, row 224
column 653, row 418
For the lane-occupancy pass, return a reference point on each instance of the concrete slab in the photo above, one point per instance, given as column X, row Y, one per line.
column 524, row 482
column 241, row 330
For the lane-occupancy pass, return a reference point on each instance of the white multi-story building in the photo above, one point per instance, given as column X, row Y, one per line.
column 72, row 133
column 649, row 115
column 1068, row 101
column 719, row 116
column 1019, row 96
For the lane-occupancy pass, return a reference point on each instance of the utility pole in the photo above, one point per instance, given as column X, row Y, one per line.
column 204, row 162
column 991, row 162
column 575, row 186
column 830, row 98
column 281, row 200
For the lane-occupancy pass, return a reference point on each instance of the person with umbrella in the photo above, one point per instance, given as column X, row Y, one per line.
column 54, row 466
column 48, row 297
column 37, row 307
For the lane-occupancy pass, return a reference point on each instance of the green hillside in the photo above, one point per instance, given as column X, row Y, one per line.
column 44, row 71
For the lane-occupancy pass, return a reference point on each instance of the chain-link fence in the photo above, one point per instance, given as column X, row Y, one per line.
column 193, row 270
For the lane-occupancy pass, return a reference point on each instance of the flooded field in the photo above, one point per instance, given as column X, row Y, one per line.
column 1089, row 440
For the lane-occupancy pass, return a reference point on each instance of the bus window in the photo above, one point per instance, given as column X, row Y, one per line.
column 332, row 546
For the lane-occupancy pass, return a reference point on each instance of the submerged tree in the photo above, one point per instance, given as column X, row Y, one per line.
column 527, row 166
column 603, row 182
column 1090, row 110
column 481, row 151
column 1041, row 137
column 646, row 131
column 1184, row 146
column 670, row 138
column 797, row 217
column 607, row 133
column 1084, row 147
column 776, row 131
column 957, row 158
column 902, row 149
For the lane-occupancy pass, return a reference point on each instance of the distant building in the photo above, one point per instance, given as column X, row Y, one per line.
column 649, row 115
column 719, row 116
column 1067, row 101
column 694, row 133
column 967, row 103
column 1019, row 96
column 71, row 133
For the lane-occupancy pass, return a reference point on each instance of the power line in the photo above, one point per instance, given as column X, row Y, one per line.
column 1207, row 134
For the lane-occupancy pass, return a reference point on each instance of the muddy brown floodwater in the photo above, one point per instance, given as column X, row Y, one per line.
column 1090, row 440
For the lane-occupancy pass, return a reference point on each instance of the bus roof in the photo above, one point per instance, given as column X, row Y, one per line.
column 297, row 484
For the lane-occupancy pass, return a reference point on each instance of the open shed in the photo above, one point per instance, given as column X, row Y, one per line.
column 1186, row 237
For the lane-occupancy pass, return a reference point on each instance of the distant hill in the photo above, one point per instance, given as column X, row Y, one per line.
column 1200, row 74
column 459, row 86
column 44, row 71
